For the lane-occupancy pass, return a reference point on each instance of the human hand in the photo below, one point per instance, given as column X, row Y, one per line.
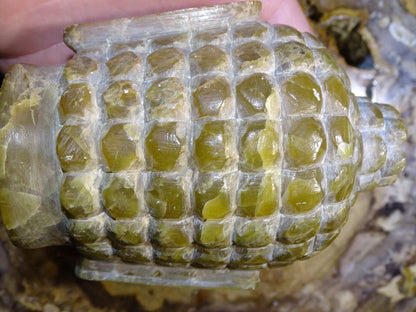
column 32, row 30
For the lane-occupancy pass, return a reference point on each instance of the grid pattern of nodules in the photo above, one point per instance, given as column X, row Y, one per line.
column 229, row 147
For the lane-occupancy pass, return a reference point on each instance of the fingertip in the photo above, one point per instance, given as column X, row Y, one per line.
column 53, row 55
column 290, row 13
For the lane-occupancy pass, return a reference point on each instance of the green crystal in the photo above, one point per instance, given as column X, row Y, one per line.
column 210, row 58
column 260, row 146
column 256, row 94
column 253, row 55
column 120, row 199
column 258, row 196
column 303, row 193
column 299, row 230
column 250, row 30
column 302, row 95
column 211, row 199
column 338, row 98
column 213, row 235
column 211, row 96
column 213, row 146
column 306, row 142
column 86, row 231
column 165, row 99
column 73, row 147
column 128, row 232
column 18, row 207
column 342, row 137
column 75, row 101
column 79, row 67
column 294, row 55
column 253, row 234
column 164, row 147
column 171, row 236
column 119, row 148
column 165, row 59
column 119, row 99
column 166, row 197
column 76, row 198
column 122, row 63
column 343, row 183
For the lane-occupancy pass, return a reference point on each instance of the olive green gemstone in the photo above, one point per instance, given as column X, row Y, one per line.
column 338, row 98
column 120, row 199
column 212, row 257
column 135, row 254
column 139, row 46
column 217, row 207
column 375, row 153
column 250, row 258
column 166, row 197
column 165, row 59
column 326, row 60
column 169, row 256
column 342, row 137
column 306, row 142
column 294, row 55
column 211, row 96
column 211, row 198
column 287, row 32
column 258, row 196
column 251, row 30
column 210, row 37
column 168, row 40
column 85, row 232
column 212, row 147
column 165, row 99
column 73, row 147
column 101, row 250
column 119, row 148
column 120, row 98
column 214, row 235
column 290, row 253
column 171, row 236
column 164, row 146
column 303, row 193
column 335, row 217
column 296, row 230
column 302, row 95
column 253, row 234
column 18, row 207
column 128, row 232
column 75, row 101
column 122, row 63
column 343, row 182
column 75, row 198
column 210, row 58
column 79, row 67
column 259, row 145
column 253, row 55
column 256, row 94
column 325, row 240
column 371, row 116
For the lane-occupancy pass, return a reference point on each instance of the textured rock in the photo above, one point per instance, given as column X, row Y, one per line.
column 381, row 229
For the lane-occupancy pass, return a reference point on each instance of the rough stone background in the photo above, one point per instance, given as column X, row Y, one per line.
column 371, row 266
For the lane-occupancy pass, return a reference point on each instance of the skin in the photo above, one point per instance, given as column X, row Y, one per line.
column 31, row 30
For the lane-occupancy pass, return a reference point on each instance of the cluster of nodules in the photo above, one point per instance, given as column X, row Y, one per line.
column 215, row 155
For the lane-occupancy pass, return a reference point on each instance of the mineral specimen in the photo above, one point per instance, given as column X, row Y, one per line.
column 204, row 140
